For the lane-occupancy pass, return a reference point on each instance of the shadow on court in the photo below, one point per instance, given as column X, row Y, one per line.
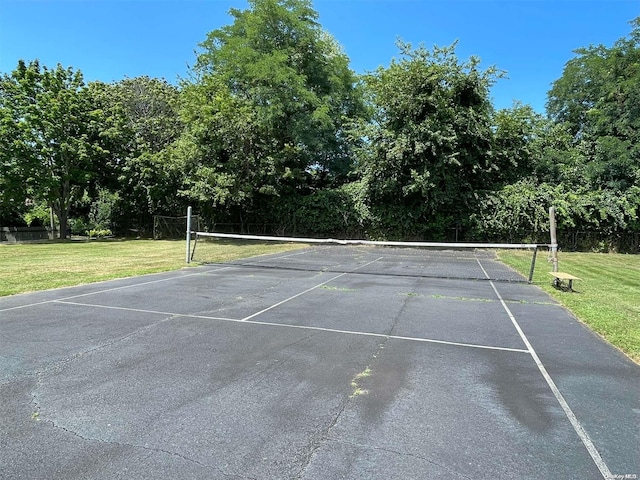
column 317, row 364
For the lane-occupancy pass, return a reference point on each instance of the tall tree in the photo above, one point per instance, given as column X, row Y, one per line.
column 430, row 145
column 57, row 135
column 140, row 121
column 14, row 148
column 598, row 98
column 268, row 105
column 518, row 132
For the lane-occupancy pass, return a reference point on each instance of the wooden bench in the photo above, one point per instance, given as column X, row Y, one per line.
column 560, row 277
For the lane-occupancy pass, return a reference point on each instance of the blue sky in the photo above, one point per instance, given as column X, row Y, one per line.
column 109, row 40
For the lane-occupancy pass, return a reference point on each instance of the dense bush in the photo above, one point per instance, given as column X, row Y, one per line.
column 520, row 212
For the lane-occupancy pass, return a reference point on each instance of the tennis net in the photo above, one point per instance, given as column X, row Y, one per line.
column 475, row 261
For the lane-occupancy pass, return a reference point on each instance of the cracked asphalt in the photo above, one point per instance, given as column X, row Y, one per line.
column 246, row 372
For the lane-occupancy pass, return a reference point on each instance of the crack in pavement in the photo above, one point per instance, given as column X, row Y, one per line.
column 143, row 447
column 404, row 454
column 60, row 364
column 321, row 437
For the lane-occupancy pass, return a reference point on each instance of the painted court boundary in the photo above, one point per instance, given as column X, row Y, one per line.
column 246, row 320
column 575, row 423
column 97, row 292
column 579, row 429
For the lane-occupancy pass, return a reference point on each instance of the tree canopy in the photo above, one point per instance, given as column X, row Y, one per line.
column 273, row 127
column 429, row 146
column 598, row 98
column 49, row 115
column 267, row 107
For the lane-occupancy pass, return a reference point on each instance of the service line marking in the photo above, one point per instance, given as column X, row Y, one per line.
column 97, row 292
column 142, row 310
column 297, row 327
column 309, row 290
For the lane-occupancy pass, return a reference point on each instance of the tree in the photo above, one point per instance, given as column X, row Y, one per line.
column 598, row 98
column 141, row 120
column 13, row 150
column 429, row 148
column 55, row 132
column 518, row 133
column 270, row 98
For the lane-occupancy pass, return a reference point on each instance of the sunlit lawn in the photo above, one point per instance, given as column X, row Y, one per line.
column 41, row 266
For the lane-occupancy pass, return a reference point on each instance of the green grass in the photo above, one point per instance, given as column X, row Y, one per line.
column 607, row 298
column 41, row 266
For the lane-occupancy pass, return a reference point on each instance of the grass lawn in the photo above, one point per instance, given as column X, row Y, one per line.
column 41, row 266
column 607, row 298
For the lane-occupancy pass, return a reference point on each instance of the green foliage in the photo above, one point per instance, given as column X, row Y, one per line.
column 324, row 213
column 37, row 215
column 519, row 212
column 429, row 148
column 102, row 210
column 598, row 98
column 519, row 136
column 267, row 109
column 143, row 121
column 274, row 128
column 79, row 226
column 51, row 157
column 99, row 233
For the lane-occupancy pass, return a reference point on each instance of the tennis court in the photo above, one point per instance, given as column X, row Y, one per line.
column 326, row 362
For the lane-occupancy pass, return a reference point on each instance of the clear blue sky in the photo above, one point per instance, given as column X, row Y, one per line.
column 109, row 40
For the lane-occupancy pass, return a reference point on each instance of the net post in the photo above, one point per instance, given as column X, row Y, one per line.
column 554, row 239
column 533, row 263
column 188, row 257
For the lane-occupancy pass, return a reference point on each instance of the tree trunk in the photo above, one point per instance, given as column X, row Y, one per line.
column 65, row 203
column 61, row 208
column 63, row 224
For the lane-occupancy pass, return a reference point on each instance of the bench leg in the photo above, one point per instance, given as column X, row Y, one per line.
column 571, row 284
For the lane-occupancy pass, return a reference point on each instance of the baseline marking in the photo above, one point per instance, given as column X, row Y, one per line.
column 577, row 426
column 298, row 327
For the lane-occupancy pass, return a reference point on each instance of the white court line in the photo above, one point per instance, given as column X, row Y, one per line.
column 96, row 292
column 44, row 302
column 577, row 426
column 385, row 336
column 260, row 259
column 309, row 289
column 142, row 310
column 208, row 272
column 291, row 298
column 298, row 327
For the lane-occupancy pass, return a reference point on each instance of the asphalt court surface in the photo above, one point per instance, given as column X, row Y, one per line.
column 327, row 368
